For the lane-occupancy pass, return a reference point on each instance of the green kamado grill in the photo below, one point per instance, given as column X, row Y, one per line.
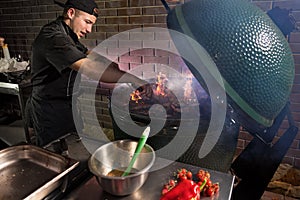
column 249, row 50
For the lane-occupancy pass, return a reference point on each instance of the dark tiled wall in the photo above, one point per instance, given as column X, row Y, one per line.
column 21, row 20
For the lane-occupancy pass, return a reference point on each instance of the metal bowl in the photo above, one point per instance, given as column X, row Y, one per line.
column 116, row 156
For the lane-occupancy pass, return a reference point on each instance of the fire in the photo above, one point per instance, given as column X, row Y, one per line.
column 162, row 89
column 161, row 83
column 188, row 89
column 135, row 96
column 159, row 89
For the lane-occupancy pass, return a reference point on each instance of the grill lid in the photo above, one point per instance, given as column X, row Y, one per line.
column 248, row 49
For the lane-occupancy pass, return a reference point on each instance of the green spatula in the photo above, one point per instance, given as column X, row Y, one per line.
column 138, row 149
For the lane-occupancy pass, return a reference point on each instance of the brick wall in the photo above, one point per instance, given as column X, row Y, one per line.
column 21, row 20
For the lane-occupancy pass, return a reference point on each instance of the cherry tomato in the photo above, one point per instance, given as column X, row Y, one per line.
column 189, row 175
column 164, row 191
column 208, row 183
column 200, row 183
column 209, row 191
column 207, row 174
column 216, row 187
column 166, row 186
column 183, row 177
column 172, row 183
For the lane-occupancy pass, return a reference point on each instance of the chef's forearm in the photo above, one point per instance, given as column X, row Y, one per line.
column 105, row 70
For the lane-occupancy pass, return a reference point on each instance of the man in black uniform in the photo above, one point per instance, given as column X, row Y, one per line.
column 57, row 58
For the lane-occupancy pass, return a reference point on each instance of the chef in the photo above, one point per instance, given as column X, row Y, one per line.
column 57, row 58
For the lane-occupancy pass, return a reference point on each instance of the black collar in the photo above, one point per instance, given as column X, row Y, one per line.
column 68, row 30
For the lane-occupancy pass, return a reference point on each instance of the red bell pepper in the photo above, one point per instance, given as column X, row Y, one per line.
column 184, row 190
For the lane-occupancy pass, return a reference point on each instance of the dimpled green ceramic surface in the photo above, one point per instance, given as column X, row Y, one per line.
column 250, row 52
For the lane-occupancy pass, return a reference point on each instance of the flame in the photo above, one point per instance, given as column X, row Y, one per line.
column 161, row 84
column 135, row 96
column 188, row 88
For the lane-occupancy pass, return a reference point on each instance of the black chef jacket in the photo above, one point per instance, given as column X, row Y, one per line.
column 54, row 50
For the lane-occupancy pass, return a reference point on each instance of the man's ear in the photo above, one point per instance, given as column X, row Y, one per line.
column 71, row 13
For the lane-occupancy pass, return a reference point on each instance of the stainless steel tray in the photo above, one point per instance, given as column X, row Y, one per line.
column 29, row 172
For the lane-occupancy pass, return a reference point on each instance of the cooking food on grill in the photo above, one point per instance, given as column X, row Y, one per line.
column 183, row 100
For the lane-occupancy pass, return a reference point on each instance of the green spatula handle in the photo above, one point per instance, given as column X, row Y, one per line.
column 138, row 149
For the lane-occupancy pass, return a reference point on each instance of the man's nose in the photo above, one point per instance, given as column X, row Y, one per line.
column 89, row 29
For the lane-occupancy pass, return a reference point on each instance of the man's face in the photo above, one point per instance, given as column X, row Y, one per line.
column 1, row 41
column 81, row 22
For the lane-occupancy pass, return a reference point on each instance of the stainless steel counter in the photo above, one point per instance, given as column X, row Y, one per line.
column 17, row 90
column 151, row 190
